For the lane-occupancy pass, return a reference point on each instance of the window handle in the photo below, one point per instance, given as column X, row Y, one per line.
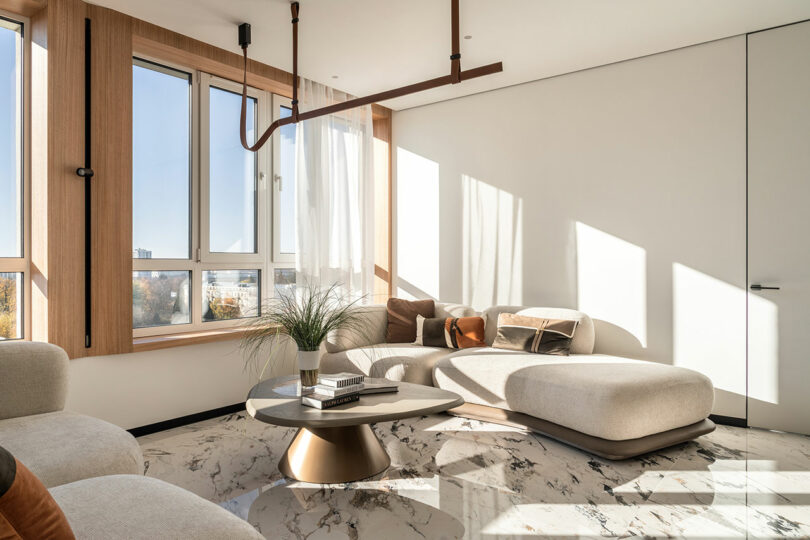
column 758, row 287
column 277, row 178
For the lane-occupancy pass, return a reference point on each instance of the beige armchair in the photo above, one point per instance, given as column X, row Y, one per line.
column 56, row 445
column 94, row 469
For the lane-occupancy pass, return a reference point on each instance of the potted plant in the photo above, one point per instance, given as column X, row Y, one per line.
column 307, row 314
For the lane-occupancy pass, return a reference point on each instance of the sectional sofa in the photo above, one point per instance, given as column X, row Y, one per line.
column 610, row 406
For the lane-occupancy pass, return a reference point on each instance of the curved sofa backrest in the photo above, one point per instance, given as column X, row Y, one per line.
column 33, row 378
column 584, row 336
column 454, row 310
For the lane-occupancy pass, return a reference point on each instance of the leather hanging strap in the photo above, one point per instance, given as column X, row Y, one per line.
column 455, row 57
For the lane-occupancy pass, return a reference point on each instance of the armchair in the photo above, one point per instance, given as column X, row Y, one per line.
column 58, row 446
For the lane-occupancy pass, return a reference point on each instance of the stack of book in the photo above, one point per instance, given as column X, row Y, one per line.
column 333, row 390
column 339, row 388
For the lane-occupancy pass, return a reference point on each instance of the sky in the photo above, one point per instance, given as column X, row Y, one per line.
column 161, row 159
column 9, row 181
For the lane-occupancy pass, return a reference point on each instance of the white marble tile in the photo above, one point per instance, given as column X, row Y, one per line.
column 451, row 477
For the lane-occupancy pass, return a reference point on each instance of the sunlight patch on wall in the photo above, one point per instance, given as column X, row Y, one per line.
column 763, row 349
column 612, row 280
column 493, row 245
column 417, row 225
column 708, row 327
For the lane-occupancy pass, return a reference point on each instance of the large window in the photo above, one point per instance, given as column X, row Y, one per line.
column 203, row 240
column 13, row 256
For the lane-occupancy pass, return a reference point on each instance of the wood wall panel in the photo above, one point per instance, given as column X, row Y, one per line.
column 383, row 230
column 57, row 214
column 26, row 8
column 111, row 135
column 39, row 176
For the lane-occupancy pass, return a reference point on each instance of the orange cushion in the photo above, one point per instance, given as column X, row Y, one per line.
column 27, row 510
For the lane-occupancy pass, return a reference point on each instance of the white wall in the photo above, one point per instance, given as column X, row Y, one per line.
column 133, row 390
column 618, row 190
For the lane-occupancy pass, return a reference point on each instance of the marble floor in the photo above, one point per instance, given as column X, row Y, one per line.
column 456, row 478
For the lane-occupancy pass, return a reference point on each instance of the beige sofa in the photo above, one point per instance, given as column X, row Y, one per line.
column 58, row 446
column 93, row 468
column 610, row 406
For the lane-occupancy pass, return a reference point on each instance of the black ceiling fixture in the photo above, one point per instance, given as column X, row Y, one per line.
column 456, row 76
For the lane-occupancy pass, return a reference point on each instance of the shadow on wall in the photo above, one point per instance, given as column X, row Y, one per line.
column 492, row 251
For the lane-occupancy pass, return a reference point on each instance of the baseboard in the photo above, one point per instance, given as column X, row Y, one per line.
column 186, row 420
column 728, row 420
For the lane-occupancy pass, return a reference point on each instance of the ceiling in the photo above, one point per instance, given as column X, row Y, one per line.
column 367, row 46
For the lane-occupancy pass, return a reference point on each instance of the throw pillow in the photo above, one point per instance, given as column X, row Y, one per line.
column 27, row 510
column 460, row 333
column 535, row 335
column 402, row 318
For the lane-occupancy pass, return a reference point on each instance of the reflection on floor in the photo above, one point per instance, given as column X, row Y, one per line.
column 453, row 478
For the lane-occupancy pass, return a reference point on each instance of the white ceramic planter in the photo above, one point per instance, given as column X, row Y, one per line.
column 308, row 360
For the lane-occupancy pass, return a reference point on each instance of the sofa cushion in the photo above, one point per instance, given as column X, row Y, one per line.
column 402, row 318
column 604, row 396
column 395, row 361
column 62, row 447
column 450, row 332
column 530, row 334
column 27, row 510
column 584, row 337
column 136, row 507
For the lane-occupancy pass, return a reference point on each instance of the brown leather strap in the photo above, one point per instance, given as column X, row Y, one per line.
column 455, row 58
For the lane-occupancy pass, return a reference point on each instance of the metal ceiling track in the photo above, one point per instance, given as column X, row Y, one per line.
column 456, row 76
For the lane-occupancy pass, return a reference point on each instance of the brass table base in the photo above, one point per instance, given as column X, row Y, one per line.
column 334, row 455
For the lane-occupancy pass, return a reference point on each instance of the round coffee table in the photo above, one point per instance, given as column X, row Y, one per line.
column 337, row 445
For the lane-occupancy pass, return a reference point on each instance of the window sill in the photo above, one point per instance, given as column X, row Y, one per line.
column 153, row 343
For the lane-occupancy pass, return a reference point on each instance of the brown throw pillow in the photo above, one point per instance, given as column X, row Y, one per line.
column 27, row 510
column 402, row 318
column 460, row 333
column 534, row 335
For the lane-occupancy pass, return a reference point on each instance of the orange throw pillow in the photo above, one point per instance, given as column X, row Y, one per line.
column 27, row 510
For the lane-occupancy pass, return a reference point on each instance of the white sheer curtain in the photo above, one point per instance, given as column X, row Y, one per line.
column 334, row 183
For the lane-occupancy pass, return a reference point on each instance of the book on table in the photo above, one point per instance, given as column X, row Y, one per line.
column 320, row 401
column 334, row 391
column 378, row 388
column 340, row 380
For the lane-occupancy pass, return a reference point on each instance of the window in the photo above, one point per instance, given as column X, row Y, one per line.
column 203, row 241
column 13, row 215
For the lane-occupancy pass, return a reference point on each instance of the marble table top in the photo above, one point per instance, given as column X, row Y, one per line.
column 277, row 401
